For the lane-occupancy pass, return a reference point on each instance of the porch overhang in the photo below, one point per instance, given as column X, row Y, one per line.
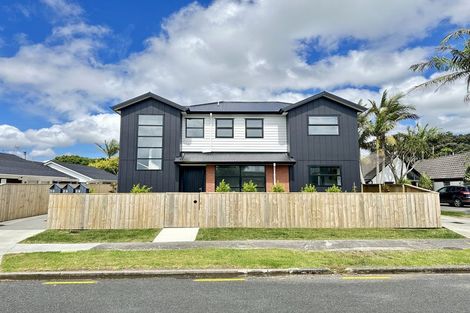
column 234, row 157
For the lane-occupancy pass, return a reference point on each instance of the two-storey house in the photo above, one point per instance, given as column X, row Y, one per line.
column 171, row 147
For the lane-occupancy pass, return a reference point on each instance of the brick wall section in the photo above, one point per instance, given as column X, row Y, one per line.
column 282, row 176
column 269, row 177
column 210, row 178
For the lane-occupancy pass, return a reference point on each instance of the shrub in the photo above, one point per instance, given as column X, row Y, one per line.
column 385, row 188
column 140, row 189
column 278, row 188
column 425, row 182
column 404, row 180
column 223, row 187
column 467, row 175
column 109, row 165
column 333, row 188
column 249, row 186
column 308, row 188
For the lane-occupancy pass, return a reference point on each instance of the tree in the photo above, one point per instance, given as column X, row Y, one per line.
column 74, row 159
column 383, row 118
column 410, row 147
column 109, row 165
column 110, row 149
column 453, row 61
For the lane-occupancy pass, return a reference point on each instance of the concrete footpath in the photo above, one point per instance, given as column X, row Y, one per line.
column 307, row 245
column 12, row 232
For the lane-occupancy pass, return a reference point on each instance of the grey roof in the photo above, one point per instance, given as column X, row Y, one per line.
column 92, row 172
column 234, row 157
column 13, row 165
column 239, row 107
column 148, row 95
column 446, row 167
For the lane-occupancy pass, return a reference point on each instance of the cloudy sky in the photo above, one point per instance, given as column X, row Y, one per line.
column 64, row 63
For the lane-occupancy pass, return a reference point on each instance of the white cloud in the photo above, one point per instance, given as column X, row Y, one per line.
column 230, row 50
column 87, row 130
column 64, row 8
column 43, row 154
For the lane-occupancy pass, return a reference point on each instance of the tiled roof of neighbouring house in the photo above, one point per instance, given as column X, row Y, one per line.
column 92, row 172
column 14, row 165
column 446, row 167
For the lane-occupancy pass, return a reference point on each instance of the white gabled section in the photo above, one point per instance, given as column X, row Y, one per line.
column 274, row 139
column 80, row 177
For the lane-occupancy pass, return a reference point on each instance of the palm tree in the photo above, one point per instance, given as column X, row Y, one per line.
column 454, row 62
column 110, row 149
column 384, row 117
column 364, row 127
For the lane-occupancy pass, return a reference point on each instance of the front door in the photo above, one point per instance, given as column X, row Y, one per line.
column 193, row 179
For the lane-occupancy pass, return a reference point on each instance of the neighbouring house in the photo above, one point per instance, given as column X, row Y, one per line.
column 369, row 172
column 14, row 169
column 171, row 147
column 83, row 173
column 446, row 170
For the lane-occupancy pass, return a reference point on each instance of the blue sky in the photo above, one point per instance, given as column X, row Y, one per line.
column 63, row 63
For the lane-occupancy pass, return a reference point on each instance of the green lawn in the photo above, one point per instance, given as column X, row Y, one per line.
column 106, row 235
column 456, row 214
column 321, row 234
column 226, row 258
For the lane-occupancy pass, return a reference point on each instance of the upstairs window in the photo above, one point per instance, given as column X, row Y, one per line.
column 323, row 125
column 253, row 128
column 150, row 142
column 224, row 128
column 325, row 176
column 194, row 128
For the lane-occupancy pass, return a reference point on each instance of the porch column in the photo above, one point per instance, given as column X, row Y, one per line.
column 210, row 178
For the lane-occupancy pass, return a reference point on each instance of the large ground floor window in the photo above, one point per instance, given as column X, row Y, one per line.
column 236, row 175
column 325, row 176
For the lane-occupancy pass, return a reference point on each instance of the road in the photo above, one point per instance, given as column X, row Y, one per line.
column 399, row 293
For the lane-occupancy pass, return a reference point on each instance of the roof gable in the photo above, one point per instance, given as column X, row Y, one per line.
column 148, row 95
column 240, row 106
column 327, row 95
column 88, row 171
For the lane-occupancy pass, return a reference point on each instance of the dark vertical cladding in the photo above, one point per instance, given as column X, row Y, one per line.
column 165, row 180
column 323, row 150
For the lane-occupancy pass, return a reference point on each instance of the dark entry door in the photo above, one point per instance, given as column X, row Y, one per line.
column 193, row 179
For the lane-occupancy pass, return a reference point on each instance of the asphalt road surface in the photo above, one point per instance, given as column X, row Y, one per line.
column 400, row 293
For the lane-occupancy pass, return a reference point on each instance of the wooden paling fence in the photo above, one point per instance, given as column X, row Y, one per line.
column 23, row 200
column 271, row 210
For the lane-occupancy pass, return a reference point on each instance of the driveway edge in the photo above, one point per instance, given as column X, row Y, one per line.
column 227, row 273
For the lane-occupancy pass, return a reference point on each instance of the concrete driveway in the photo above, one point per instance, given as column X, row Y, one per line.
column 456, row 224
column 12, row 232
